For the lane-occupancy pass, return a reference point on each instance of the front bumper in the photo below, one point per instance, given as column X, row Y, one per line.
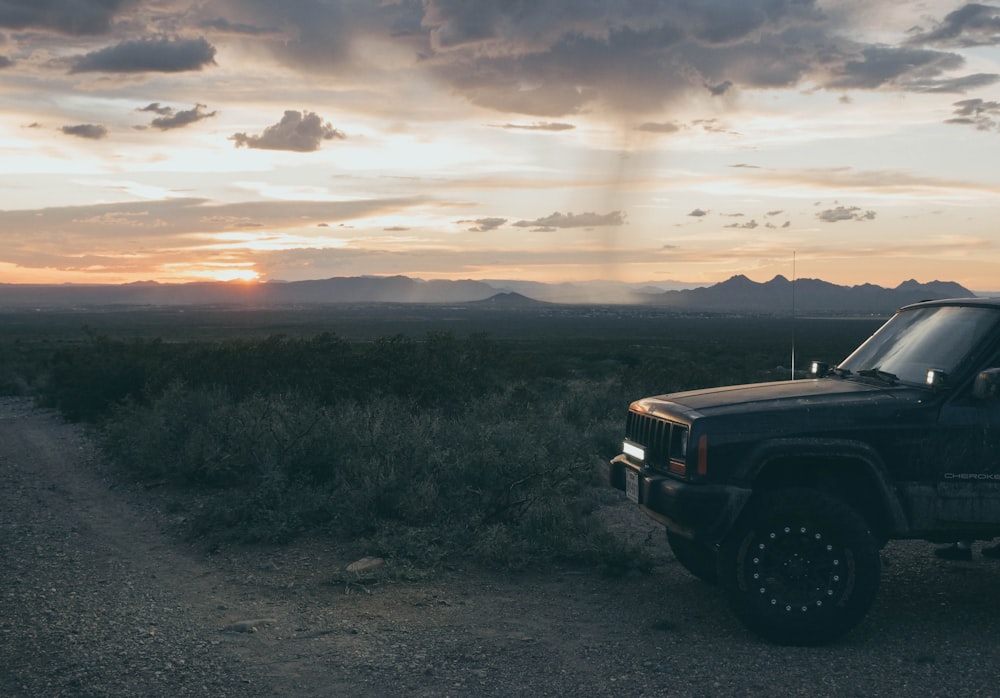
column 702, row 512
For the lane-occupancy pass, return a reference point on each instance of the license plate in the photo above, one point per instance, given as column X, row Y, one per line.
column 632, row 485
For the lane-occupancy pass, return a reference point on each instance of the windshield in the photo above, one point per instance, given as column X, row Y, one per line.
column 914, row 341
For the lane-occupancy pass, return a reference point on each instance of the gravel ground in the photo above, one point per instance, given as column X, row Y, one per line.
column 99, row 598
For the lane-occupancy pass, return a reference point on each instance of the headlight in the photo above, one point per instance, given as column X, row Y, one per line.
column 634, row 451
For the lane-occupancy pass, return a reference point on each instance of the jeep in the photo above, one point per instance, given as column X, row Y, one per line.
column 784, row 493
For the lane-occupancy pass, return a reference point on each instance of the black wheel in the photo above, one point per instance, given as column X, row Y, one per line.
column 800, row 567
column 697, row 558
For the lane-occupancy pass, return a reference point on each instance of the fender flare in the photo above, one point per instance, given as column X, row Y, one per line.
column 805, row 447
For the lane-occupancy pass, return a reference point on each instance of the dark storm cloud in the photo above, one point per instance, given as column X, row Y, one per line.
column 573, row 220
column 557, row 57
column 76, row 17
column 971, row 25
column 296, row 132
column 845, row 213
column 170, row 119
column 161, row 55
column 92, row 131
column 5, row 62
column 554, row 58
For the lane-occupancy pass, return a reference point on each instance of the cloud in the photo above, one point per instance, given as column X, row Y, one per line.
column 540, row 126
column 163, row 55
column 317, row 37
column 749, row 225
column 698, row 213
column 572, row 220
column 978, row 113
column 484, row 225
column 297, row 131
column 5, row 62
column 959, row 85
column 879, row 66
column 74, row 17
column 92, row 131
column 134, row 219
column 651, row 127
column 720, row 89
column 169, row 119
column 565, row 57
column 845, row 213
column 558, row 58
column 156, row 108
column 224, row 26
column 971, row 25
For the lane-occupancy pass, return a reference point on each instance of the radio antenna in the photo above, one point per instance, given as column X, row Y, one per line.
column 793, row 314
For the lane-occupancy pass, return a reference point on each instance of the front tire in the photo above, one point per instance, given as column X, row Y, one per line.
column 800, row 567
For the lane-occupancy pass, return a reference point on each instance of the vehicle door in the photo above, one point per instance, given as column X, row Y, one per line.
column 968, row 487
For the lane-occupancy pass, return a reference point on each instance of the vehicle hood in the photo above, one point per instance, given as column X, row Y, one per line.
column 808, row 395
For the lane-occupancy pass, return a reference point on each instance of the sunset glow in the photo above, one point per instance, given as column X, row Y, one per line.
column 236, row 275
column 640, row 142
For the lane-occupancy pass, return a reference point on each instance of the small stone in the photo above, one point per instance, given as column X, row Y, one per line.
column 366, row 564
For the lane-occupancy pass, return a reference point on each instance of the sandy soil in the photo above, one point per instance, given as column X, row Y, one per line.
column 99, row 598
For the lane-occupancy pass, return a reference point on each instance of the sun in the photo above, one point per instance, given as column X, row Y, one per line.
column 247, row 275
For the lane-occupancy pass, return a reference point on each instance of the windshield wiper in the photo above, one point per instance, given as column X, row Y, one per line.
column 879, row 374
column 840, row 372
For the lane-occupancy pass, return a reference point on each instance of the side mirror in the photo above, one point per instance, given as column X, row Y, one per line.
column 987, row 385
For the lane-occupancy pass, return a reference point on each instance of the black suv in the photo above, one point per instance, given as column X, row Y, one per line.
column 784, row 492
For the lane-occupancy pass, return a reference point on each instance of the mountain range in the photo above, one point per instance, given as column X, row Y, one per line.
column 737, row 294
column 781, row 296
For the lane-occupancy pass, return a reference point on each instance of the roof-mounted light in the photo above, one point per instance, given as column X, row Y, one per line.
column 936, row 378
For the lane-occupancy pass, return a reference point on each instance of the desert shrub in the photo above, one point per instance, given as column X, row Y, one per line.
column 499, row 480
column 422, row 449
column 88, row 380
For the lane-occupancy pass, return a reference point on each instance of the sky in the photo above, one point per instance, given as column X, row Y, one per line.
column 639, row 141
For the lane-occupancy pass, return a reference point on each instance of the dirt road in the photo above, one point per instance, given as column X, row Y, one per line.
column 98, row 598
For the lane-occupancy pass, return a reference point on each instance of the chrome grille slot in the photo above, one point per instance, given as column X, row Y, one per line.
column 661, row 439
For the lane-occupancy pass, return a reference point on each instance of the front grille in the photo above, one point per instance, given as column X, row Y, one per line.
column 663, row 440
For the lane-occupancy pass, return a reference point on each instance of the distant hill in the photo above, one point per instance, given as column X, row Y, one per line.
column 740, row 294
column 508, row 299
column 737, row 294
